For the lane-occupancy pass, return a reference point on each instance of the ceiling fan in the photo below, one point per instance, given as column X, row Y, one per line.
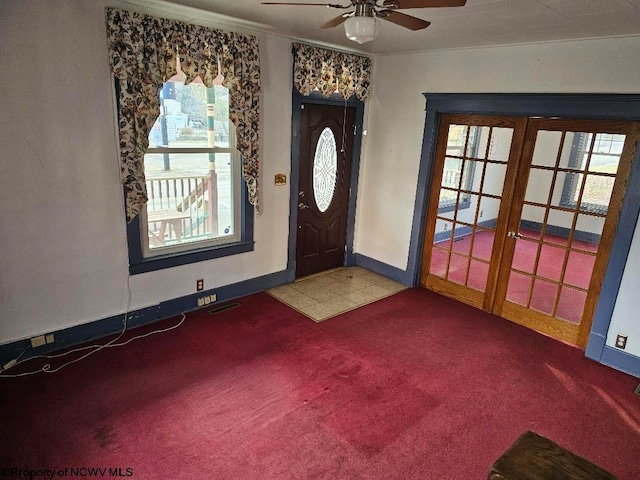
column 360, row 23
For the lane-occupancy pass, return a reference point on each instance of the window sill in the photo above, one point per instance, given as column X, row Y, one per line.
column 585, row 207
column 184, row 258
column 450, row 207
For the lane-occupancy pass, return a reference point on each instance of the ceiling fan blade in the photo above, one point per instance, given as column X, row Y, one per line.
column 402, row 4
column 334, row 22
column 330, row 5
column 406, row 21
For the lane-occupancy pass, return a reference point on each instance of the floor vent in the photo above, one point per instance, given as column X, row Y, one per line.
column 224, row 308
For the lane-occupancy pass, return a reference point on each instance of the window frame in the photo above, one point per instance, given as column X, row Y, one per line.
column 136, row 231
column 140, row 264
column 570, row 186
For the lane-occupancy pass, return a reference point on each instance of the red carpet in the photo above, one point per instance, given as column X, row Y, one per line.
column 413, row 386
column 551, row 260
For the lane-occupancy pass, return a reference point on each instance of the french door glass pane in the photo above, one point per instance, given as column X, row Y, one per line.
column 494, row 178
column 470, row 193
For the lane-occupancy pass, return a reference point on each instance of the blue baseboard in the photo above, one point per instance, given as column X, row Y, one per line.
column 620, row 360
column 561, row 232
column 596, row 344
column 98, row 329
column 394, row 273
column 463, row 230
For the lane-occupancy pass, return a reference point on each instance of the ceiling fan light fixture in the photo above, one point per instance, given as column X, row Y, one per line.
column 360, row 29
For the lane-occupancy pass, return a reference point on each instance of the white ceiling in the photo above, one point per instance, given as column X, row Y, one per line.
column 478, row 23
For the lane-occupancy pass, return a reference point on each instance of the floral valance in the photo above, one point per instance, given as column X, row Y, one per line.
column 143, row 52
column 330, row 71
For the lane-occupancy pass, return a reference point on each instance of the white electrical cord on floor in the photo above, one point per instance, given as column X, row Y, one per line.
column 94, row 348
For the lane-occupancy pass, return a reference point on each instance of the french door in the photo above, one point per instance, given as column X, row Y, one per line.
column 523, row 214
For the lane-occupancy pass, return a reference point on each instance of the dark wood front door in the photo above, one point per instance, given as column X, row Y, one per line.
column 326, row 141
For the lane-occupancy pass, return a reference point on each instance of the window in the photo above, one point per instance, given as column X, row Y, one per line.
column 462, row 144
column 593, row 162
column 194, row 184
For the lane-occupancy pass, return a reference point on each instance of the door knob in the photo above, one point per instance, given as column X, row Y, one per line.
column 302, row 206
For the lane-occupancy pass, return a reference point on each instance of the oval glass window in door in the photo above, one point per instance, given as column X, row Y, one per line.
column 325, row 169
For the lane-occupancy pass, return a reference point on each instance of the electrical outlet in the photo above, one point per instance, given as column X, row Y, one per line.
column 38, row 341
column 206, row 300
column 200, row 285
column 621, row 341
column 50, row 338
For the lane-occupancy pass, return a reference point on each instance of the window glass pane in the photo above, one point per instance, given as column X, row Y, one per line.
column 478, row 273
column 500, row 145
column 524, row 256
column 546, row 149
column 191, row 115
column 597, row 193
column 494, row 178
column 531, row 221
column 460, row 173
column 543, row 297
column 192, row 202
column 579, row 269
column 607, row 150
column 457, row 140
column 571, row 304
column 588, row 232
column 443, row 232
column 551, row 262
column 458, row 266
column 448, row 197
column 472, row 175
column 483, row 244
column 559, row 225
column 462, row 239
column 519, row 288
column 488, row 213
column 539, row 185
column 193, row 189
column 325, row 169
column 452, row 172
column 439, row 261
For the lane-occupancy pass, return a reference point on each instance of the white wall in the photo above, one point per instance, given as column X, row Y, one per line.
column 64, row 255
column 396, row 120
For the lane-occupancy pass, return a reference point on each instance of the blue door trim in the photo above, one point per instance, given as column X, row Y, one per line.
column 593, row 106
column 316, row 98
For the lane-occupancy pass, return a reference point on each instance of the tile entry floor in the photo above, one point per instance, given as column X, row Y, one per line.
column 337, row 291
